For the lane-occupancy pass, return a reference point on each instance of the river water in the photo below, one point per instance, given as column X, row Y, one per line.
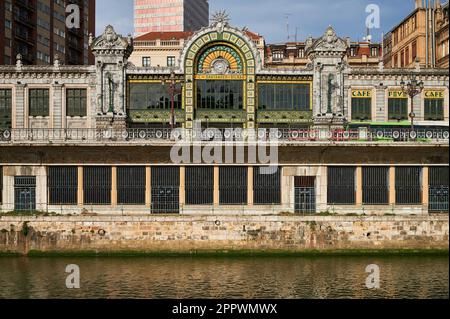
column 225, row 278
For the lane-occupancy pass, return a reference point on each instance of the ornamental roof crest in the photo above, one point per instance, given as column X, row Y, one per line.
column 329, row 42
column 220, row 20
column 110, row 40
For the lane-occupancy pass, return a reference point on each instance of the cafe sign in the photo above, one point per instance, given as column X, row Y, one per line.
column 434, row 94
column 397, row 94
column 361, row 94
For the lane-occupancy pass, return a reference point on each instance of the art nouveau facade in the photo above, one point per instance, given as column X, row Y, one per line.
column 98, row 138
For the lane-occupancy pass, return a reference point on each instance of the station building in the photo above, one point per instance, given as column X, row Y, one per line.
column 98, row 139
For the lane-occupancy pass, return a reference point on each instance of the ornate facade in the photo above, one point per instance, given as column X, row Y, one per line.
column 98, row 138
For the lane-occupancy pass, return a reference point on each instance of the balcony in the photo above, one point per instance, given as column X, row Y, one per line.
column 166, row 135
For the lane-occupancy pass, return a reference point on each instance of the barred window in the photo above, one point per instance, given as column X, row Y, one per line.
column 5, row 108
column 375, row 185
column 97, row 185
column 434, row 109
column 408, row 185
column 62, row 185
column 233, row 185
column 361, row 109
column 165, row 190
column 39, row 102
column 199, row 185
column 438, row 189
column 341, row 185
column 398, row 109
column 215, row 94
column 266, row 186
column 76, row 102
column 131, row 185
column 291, row 96
column 153, row 96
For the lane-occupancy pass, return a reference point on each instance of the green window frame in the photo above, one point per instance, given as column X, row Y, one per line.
column 154, row 96
column 76, row 102
column 361, row 109
column 220, row 94
column 434, row 109
column 39, row 104
column 284, row 96
column 397, row 109
column 5, row 108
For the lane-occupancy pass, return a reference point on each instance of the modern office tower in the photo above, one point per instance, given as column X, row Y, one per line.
column 38, row 30
column 170, row 15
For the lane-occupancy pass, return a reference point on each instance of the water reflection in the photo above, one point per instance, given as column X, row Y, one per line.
column 324, row 277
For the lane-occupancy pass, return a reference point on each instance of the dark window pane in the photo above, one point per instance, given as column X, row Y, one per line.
column 154, row 96
column 398, row 109
column 361, row 109
column 5, row 109
column 39, row 102
column 233, row 185
column 341, row 185
column 226, row 95
column 434, row 109
column 375, row 185
column 286, row 96
column 408, row 185
column 165, row 190
column 97, row 185
column 266, row 187
column 76, row 101
column 438, row 192
column 131, row 185
column 199, row 185
column 62, row 185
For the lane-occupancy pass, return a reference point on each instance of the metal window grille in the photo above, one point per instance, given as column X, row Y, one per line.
column 408, row 185
column 266, row 187
column 361, row 109
column 165, row 190
column 438, row 189
column 25, row 193
column 398, row 109
column 97, row 185
column 216, row 94
column 5, row 108
column 76, row 101
column 375, row 185
column 276, row 96
column 233, row 185
column 434, row 109
column 39, row 102
column 131, row 185
column 62, row 185
column 305, row 195
column 199, row 185
column 341, row 185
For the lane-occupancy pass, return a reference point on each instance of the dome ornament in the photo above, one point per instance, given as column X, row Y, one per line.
column 220, row 20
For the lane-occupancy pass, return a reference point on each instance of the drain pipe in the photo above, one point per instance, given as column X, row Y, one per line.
column 427, row 32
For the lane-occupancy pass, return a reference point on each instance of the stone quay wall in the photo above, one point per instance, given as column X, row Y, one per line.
column 188, row 234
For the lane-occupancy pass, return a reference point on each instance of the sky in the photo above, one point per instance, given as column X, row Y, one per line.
column 268, row 17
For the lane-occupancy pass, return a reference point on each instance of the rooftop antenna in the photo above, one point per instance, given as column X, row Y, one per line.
column 287, row 15
column 296, row 34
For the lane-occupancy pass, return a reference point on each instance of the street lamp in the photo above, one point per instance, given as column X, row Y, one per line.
column 412, row 89
column 172, row 82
